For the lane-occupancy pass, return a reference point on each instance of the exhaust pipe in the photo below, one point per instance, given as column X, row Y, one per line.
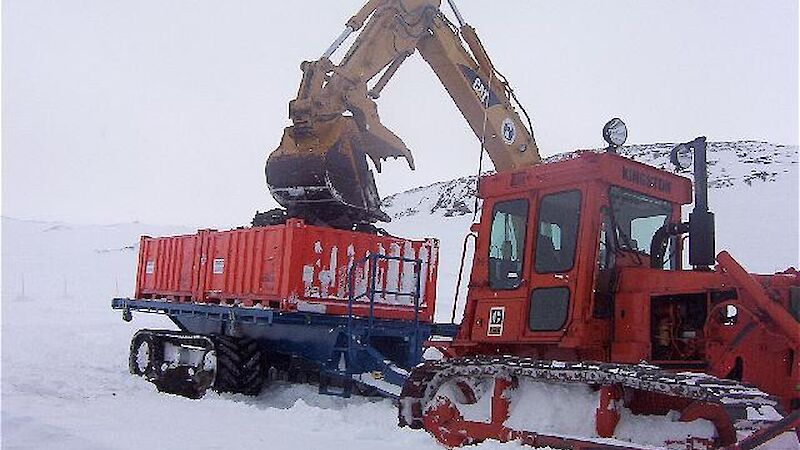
column 701, row 220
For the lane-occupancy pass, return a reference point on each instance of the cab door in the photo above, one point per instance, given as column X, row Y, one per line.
column 501, row 261
column 554, row 270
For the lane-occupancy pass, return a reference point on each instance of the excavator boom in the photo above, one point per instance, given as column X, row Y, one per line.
column 319, row 171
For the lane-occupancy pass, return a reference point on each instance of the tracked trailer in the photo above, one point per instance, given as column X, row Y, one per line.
column 595, row 314
column 348, row 310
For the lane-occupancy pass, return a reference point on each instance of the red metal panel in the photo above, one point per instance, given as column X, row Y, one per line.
column 243, row 266
column 215, row 259
column 586, row 166
column 166, row 267
column 140, row 275
column 319, row 272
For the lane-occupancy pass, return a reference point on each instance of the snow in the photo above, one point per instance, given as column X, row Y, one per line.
column 655, row 430
column 432, row 354
column 480, row 411
column 66, row 385
column 65, row 381
column 568, row 410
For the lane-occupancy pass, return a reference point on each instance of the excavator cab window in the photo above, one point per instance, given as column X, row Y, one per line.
column 507, row 243
column 605, row 251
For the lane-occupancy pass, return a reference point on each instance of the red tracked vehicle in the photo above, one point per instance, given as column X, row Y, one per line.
column 577, row 277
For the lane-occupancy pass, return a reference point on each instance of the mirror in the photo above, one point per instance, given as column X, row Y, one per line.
column 682, row 156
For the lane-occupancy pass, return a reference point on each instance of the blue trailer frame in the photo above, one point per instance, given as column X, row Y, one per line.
column 348, row 349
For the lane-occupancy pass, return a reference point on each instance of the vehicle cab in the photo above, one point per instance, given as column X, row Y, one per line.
column 553, row 243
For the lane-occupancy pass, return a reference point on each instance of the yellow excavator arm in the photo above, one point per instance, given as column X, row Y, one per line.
column 320, row 173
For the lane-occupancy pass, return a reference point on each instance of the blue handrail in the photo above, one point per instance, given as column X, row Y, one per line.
column 372, row 261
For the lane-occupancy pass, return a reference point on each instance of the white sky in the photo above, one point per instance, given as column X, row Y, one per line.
column 164, row 111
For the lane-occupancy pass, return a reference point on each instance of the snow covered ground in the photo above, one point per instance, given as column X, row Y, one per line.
column 65, row 382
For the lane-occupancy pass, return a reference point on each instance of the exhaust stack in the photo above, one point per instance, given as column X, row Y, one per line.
column 701, row 220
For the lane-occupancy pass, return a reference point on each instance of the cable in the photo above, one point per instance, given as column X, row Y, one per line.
column 483, row 146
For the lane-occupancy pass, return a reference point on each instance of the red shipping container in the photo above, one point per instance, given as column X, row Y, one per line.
column 174, row 257
column 291, row 267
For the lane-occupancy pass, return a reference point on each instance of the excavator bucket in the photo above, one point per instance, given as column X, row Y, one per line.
column 322, row 175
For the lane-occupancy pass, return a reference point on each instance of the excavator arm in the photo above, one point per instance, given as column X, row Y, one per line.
column 480, row 92
column 320, row 172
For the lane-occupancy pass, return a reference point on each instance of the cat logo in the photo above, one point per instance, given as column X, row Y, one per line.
column 496, row 316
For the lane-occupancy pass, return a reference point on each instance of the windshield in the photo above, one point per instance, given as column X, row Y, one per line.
column 637, row 217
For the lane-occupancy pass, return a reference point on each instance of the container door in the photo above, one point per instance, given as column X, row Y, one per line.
column 553, row 272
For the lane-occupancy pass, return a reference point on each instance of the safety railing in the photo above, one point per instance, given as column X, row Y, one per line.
column 370, row 263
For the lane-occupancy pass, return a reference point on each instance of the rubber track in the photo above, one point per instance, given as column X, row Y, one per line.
column 179, row 380
column 733, row 396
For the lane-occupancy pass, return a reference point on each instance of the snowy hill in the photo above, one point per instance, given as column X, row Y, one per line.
column 65, row 382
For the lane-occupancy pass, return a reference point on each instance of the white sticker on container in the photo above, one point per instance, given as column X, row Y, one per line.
column 219, row 265
column 308, row 274
column 150, row 267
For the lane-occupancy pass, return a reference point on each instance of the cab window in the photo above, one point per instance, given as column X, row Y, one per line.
column 557, row 234
column 507, row 243
column 549, row 309
column 637, row 217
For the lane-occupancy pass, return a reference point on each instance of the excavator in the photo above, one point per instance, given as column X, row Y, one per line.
column 596, row 317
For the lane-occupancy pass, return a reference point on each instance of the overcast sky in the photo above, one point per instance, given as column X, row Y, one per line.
column 164, row 111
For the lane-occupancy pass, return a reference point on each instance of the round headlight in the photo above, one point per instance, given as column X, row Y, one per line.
column 681, row 156
column 615, row 132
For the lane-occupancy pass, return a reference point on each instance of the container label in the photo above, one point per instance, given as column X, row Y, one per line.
column 496, row 317
column 219, row 265
column 150, row 267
